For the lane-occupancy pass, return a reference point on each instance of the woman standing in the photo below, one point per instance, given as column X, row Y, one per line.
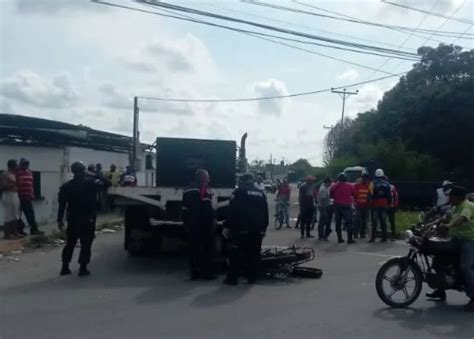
column 10, row 200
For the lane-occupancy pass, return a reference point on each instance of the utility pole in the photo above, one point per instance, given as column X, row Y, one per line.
column 136, row 135
column 344, row 94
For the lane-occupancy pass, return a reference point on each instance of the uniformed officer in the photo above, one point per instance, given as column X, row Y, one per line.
column 198, row 217
column 246, row 225
column 77, row 198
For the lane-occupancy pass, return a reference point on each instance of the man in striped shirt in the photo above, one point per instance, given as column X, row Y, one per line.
column 24, row 179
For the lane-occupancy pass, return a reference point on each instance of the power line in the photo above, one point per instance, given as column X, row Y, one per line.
column 270, row 97
column 464, row 21
column 299, row 25
column 343, row 17
column 277, row 29
column 409, row 36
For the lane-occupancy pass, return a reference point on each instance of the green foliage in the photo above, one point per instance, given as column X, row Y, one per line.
column 301, row 168
column 423, row 127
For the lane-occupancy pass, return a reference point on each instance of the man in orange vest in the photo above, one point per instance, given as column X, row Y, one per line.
column 362, row 206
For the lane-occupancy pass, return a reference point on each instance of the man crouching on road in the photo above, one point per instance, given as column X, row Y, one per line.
column 78, row 197
column 246, row 225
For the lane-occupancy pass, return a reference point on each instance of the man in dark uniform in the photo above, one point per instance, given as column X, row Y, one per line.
column 198, row 217
column 78, row 198
column 246, row 225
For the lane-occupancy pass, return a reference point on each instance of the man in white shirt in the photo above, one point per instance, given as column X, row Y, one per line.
column 259, row 183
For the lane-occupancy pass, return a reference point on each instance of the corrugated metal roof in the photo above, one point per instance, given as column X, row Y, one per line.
column 23, row 130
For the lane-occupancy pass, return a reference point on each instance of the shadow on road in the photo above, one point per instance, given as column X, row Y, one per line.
column 441, row 320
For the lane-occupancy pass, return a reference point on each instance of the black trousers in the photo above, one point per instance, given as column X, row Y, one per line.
column 201, row 249
column 391, row 219
column 325, row 218
column 379, row 215
column 306, row 220
column 244, row 256
column 29, row 212
column 343, row 213
column 361, row 218
column 85, row 233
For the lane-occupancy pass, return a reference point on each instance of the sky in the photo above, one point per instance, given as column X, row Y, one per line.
column 82, row 62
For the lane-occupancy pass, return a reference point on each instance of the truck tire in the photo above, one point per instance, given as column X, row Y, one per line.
column 136, row 223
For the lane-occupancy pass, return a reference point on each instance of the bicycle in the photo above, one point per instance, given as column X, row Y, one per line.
column 279, row 215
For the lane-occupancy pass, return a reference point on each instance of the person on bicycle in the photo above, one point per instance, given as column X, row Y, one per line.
column 283, row 201
column 461, row 230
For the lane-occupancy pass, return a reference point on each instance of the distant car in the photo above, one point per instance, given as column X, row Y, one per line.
column 270, row 186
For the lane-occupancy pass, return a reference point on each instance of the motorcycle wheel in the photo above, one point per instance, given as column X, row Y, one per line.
column 399, row 283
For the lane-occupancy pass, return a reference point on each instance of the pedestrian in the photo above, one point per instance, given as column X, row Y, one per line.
column 246, row 226
column 380, row 198
column 199, row 219
column 306, row 200
column 259, row 184
column 324, row 203
column 26, row 194
column 283, row 198
column 442, row 196
column 392, row 210
column 343, row 194
column 128, row 179
column 77, row 198
column 10, row 200
column 113, row 175
column 362, row 206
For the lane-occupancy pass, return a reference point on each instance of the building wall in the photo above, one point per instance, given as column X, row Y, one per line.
column 45, row 160
column 91, row 156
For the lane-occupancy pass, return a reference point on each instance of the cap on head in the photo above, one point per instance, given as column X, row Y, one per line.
column 78, row 168
column 447, row 183
column 342, row 177
column 458, row 192
column 247, row 178
column 379, row 173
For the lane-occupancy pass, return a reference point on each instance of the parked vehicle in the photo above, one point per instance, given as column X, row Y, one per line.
column 399, row 281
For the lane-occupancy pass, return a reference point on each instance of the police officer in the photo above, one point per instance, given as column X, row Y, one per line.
column 246, row 225
column 77, row 198
column 198, row 217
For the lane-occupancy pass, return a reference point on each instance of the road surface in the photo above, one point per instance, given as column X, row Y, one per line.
column 153, row 298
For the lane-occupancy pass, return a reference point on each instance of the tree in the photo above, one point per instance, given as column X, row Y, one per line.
column 425, row 121
column 301, row 167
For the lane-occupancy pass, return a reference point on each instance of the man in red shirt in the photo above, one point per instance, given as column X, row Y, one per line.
column 24, row 179
column 343, row 194
column 362, row 206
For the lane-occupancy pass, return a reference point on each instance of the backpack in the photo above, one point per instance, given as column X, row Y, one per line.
column 381, row 189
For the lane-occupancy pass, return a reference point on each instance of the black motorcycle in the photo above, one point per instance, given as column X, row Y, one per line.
column 431, row 259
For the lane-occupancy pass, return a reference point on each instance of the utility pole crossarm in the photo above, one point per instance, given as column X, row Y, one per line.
column 344, row 95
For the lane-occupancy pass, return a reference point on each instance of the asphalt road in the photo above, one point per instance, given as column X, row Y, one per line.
column 153, row 298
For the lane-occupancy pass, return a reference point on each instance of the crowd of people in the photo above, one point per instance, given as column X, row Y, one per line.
column 351, row 206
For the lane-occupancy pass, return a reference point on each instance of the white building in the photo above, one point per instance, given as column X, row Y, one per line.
column 51, row 147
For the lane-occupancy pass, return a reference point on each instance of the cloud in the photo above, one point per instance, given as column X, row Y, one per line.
column 368, row 97
column 348, row 75
column 270, row 88
column 185, row 55
column 30, row 88
column 55, row 6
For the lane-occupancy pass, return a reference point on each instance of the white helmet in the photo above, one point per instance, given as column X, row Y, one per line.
column 379, row 173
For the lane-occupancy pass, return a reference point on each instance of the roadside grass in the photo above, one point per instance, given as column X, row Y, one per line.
column 404, row 220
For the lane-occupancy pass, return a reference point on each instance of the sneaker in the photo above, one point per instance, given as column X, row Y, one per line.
column 84, row 272
column 372, row 240
column 469, row 307
column 351, row 242
column 392, row 239
column 302, row 236
column 437, row 295
column 383, row 240
column 341, row 241
column 65, row 271
column 22, row 233
column 309, row 236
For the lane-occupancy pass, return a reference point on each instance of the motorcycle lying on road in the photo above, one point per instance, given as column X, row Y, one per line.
column 430, row 259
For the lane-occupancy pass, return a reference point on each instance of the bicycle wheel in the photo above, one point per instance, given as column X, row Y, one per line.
column 278, row 221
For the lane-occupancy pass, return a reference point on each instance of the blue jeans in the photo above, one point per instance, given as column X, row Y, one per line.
column 467, row 266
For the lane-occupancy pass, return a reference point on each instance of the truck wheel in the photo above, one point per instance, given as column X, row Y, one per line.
column 136, row 222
